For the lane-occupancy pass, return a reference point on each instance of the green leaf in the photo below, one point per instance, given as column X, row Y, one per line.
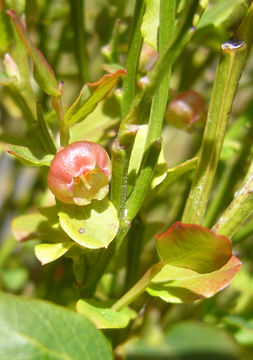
column 37, row 330
column 220, row 12
column 36, row 226
column 174, row 173
column 150, row 23
column 43, row 73
column 244, row 328
column 218, row 20
column 47, row 253
column 30, row 156
column 92, row 226
column 231, row 63
column 7, row 80
column 14, row 279
column 102, row 316
column 137, row 156
column 193, row 247
column 97, row 125
column 188, row 340
column 175, row 284
column 90, row 95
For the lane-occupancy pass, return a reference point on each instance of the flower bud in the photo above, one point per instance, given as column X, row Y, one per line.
column 80, row 173
column 187, row 111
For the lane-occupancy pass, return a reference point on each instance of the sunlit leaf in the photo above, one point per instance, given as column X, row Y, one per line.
column 90, row 95
column 102, row 316
column 43, row 72
column 218, row 20
column 30, row 156
column 36, row 226
column 47, row 253
column 34, row 329
column 97, row 125
column 7, row 80
column 193, row 247
column 220, row 12
column 150, row 23
column 175, row 284
column 136, row 158
column 92, row 226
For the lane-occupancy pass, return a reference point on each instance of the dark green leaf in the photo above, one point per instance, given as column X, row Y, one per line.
column 187, row 341
column 39, row 330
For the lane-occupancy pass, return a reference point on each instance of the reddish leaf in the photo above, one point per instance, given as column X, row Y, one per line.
column 90, row 95
column 175, row 284
column 43, row 72
column 193, row 247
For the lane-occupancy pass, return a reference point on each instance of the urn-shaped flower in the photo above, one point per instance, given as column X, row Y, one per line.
column 80, row 173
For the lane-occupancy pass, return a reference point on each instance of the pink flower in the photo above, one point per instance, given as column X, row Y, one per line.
column 80, row 173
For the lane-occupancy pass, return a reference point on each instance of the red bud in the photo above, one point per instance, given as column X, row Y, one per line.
column 187, row 111
column 80, row 173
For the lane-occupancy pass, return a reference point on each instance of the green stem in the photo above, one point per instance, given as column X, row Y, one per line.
column 30, row 119
column 43, row 130
column 64, row 132
column 77, row 17
column 173, row 49
column 153, row 148
column 172, row 175
column 231, row 63
column 237, row 212
column 158, row 107
column 133, row 55
column 245, row 30
column 138, row 288
column 228, row 180
column 143, row 182
column 119, row 175
column 134, row 247
column 162, row 67
column 243, row 232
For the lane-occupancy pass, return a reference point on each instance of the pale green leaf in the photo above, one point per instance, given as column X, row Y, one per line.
column 150, row 23
column 47, row 253
column 43, row 73
column 29, row 156
column 220, row 12
column 96, row 126
column 102, row 316
column 37, row 226
column 136, row 158
column 90, row 95
column 7, row 80
column 175, row 284
column 92, row 226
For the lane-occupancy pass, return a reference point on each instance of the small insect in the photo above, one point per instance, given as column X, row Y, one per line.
column 81, row 230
